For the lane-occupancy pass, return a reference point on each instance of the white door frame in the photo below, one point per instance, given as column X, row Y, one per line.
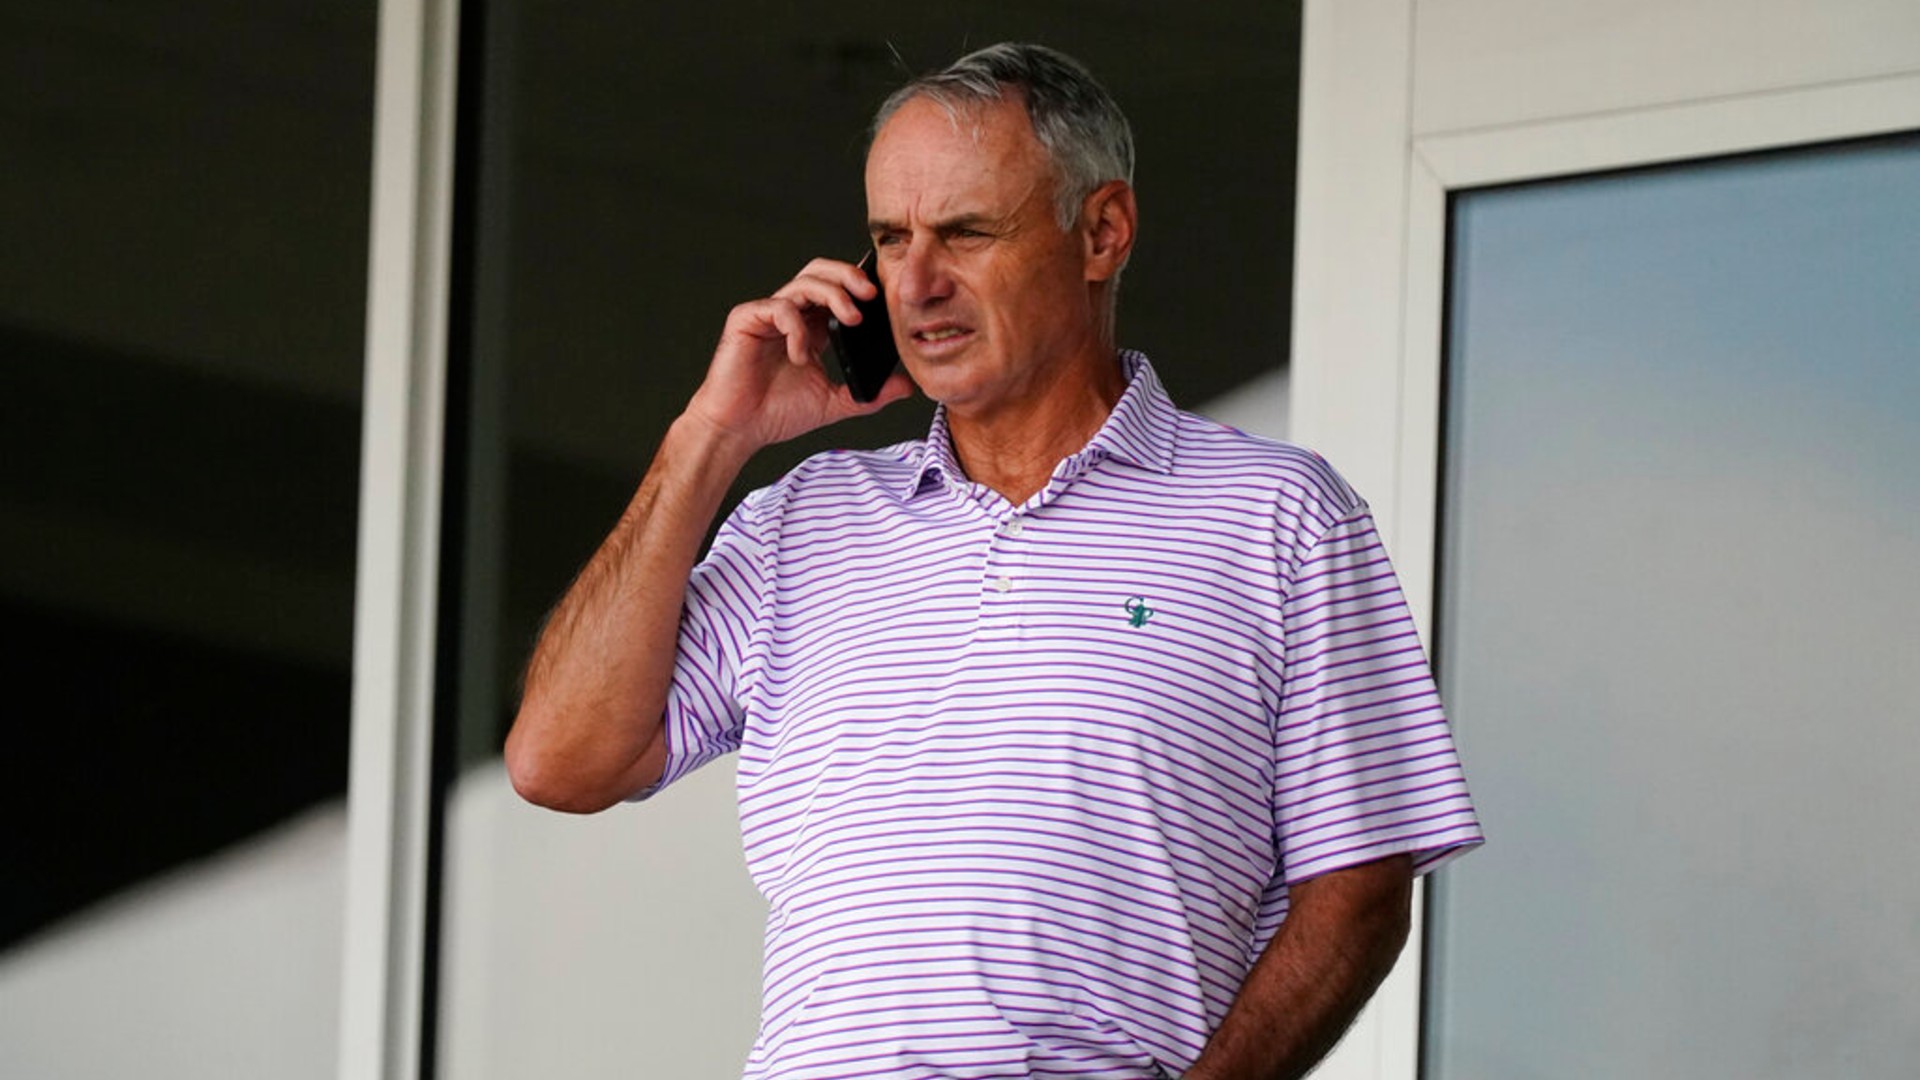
column 1405, row 102
column 395, row 597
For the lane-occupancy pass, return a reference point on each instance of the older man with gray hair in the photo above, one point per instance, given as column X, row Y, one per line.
column 1082, row 738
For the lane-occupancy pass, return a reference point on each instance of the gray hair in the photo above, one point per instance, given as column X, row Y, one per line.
column 1083, row 131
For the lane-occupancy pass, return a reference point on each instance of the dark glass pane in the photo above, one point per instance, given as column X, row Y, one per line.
column 182, row 289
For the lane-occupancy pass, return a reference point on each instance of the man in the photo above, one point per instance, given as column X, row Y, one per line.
column 1085, row 737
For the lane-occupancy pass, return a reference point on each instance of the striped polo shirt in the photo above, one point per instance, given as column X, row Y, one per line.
column 1025, row 786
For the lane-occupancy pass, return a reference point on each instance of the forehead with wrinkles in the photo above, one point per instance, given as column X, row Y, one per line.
column 932, row 159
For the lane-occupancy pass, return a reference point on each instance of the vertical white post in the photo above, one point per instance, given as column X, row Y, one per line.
column 1349, row 335
column 399, row 536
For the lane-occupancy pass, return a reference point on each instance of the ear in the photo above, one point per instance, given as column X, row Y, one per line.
column 1107, row 222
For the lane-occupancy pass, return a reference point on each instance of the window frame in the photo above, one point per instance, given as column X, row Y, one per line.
column 1375, row 182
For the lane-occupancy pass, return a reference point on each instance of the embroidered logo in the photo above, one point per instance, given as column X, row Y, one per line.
column 1137, row 611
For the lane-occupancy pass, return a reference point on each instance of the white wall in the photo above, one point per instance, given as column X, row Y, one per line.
column 1258, row 406
column 229, row 968
column 625, row 944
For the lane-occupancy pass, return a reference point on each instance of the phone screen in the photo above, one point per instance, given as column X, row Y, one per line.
column 866, row 351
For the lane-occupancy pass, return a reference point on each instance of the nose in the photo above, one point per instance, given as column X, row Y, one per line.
column 921, row 276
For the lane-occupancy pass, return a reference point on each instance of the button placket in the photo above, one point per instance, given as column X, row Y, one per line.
column 1000, row 585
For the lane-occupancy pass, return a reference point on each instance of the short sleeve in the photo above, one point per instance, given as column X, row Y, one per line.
column 725, row 595
column 1364, row 763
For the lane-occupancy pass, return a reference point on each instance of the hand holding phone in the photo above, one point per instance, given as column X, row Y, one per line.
column 865, row 349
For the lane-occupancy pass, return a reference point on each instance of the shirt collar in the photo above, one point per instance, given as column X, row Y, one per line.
column 1139, row 430
column 936, row 455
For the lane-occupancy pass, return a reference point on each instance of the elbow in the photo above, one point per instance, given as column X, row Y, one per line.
column 548, row 777
column 533, row 773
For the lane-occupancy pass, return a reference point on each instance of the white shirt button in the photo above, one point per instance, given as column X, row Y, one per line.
column 1003, row 583
column 1014, row 528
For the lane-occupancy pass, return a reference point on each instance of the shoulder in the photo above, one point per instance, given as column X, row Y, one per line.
column 838, row 480
column 1293, row 476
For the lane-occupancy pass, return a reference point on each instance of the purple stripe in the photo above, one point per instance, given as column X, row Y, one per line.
column 1341, row 606
column 1161, row 955
column 1404, row 816
column 1450, row 785
column 1076, row 814
column 1445, row 767
column 1011, row 979
column 1021, row 870
column 1083, row 968
column 1313, row 700
column 1071, row 714
column 1215, row 819
column 1169, row 945
column 1124, row 768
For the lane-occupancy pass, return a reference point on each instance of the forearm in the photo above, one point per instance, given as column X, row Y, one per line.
column 1339, row 940
column 588, row 732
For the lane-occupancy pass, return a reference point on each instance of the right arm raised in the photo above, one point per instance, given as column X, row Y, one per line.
column 589, row 730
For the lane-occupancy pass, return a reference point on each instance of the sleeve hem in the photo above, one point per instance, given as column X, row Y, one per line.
column 1429, row 854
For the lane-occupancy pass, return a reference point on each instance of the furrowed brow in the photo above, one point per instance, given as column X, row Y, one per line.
column 972, row 219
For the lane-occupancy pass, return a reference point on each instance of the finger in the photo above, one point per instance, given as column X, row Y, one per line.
column 761, row 326
column 817, row 328
column 867, row 285
column 758, row 319
column 794, row 325
column 849, row 276
column 831, row 286
column 827, row 297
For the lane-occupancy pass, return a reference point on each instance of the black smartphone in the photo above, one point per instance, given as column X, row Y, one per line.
column 866, row 350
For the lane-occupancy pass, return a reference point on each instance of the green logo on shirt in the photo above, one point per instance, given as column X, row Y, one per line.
column 1137, row 611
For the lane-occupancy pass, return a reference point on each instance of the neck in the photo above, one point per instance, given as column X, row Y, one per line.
column 1014, row 448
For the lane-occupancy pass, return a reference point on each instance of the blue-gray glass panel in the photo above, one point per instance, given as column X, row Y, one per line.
column 1680, row 622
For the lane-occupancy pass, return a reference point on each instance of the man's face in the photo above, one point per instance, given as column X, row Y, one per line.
column 988, row 294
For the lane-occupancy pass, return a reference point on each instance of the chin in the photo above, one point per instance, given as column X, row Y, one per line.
column 947, row 383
